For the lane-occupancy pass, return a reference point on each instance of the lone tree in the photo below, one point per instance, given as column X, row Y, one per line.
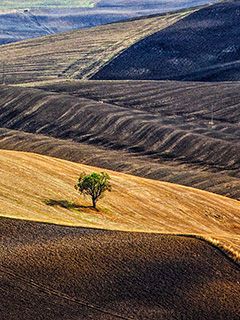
column 94, row 185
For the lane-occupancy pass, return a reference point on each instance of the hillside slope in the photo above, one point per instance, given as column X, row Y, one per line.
column 220, row 182
column 76, row 54
column 16, row 25
column 36, row 187
column 152, row 129
column 74, row 273
column 203, row 46
column 21, row 25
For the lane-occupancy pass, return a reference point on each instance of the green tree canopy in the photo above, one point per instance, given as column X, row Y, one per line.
column 93, row 185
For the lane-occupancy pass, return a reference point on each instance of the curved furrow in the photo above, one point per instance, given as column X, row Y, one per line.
column 158, row 136
column 222, row 182
column 74, row 118
column 191, row 109
column 152, row 93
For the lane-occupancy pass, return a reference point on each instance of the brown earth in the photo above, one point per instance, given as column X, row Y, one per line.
column 41, row 188
column 160, row 130
column 54, row 272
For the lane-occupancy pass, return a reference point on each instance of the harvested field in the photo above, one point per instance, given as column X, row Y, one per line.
column 73, row 273
column 76, row 54
column 17, row 25
column 204, row 46
column 152, row 249
column 154, row 129
column 41, row 188
column 215, row 181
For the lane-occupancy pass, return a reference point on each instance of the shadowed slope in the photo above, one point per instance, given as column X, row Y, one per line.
column 203, row 46
column 73, row 273
column 16, row 25
column 77, row 54
column 29, row 180
column 220, row 182
column 160, row 130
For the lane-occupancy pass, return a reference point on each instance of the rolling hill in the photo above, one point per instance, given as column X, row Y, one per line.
column 201, row 47
column 160, row 130
column 160, row 271
column 21, row 25
column 75, row 273
column 145, row 4
column 76, row 54
column 191, row 44
column 21, row 20
column 40, row 187
column 154, row 250
column 24, row 4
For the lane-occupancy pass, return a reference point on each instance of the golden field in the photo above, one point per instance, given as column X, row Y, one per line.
column 29, row 181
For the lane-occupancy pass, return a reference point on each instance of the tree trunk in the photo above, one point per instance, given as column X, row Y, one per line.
column 94, row 202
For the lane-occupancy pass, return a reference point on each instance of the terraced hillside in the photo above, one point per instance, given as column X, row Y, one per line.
column 203, row 46
column 74, row 273
column 77, row 54
column 37, row 188
column 160, row 130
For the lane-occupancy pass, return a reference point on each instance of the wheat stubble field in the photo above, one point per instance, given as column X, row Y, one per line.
column 76, row 266
column 165, row 242
column 134, row 204
column 156, row 129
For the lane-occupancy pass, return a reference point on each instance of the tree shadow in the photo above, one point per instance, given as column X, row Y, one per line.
column 67, row 204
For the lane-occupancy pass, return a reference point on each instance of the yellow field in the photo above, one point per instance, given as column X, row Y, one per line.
column 135, row 204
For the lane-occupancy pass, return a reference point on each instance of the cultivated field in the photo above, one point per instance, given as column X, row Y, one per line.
column 67, row 273
column 192, row 44
column 136, row 204
column 203, row 46
column 76, row 54
column 17, row 25
column 160, row 130
column 153, row 250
